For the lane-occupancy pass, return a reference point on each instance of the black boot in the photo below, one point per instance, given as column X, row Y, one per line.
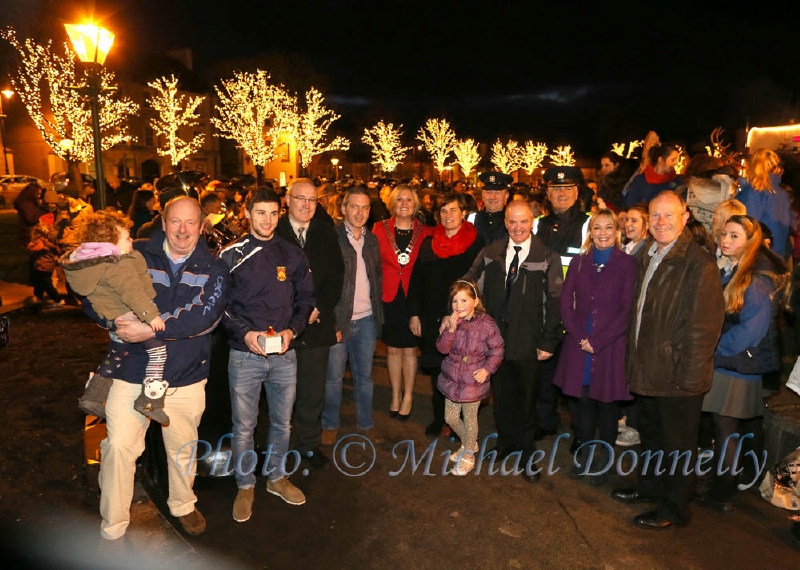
column 150, row 402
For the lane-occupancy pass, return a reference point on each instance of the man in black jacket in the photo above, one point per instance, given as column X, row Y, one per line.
column 490, row 220
column 320, row 244
column 520, row 280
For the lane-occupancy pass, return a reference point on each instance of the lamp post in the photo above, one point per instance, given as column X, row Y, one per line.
column 92, row 45
column 335, row 163
column 7, row 93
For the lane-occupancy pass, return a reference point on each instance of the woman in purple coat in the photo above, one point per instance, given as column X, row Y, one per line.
column 596, row 303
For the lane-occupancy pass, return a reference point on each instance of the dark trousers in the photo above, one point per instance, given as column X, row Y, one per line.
column 514, row 390
column 547, row 417
column 592, row 417
column 312, row 366
column 42, row 282
column 437, row 398
column 669, row 425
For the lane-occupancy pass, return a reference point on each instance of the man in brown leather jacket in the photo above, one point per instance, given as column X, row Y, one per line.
column 674, row 330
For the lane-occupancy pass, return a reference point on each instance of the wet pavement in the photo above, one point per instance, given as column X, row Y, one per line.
column 354, row 517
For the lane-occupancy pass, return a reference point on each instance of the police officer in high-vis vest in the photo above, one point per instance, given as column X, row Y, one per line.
column 563, row 231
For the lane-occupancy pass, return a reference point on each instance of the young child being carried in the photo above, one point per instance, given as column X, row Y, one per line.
column 114, row 278
column 474, row 349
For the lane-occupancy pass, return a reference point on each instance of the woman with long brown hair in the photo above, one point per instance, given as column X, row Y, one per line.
column 745, row 351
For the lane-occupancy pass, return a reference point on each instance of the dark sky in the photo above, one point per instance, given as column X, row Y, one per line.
column 558, row 72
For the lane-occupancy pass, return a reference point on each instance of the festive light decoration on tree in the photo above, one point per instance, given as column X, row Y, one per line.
column 387, row 151
column 619, row 148
column 467, row 155
column 46, row 82
column 439, row 141
column 562, row 156
column 508, row 158
column 683, row 159
column 253, row 112
column 174, row 111
column 309, row 128
column 533, row 155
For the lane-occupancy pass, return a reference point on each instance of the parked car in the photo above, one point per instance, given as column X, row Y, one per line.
column 12, row 184
column 60, row 180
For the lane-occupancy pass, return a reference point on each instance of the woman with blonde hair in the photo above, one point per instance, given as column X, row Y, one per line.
column 745, row 352
column 635, row 227
column 722, row 214
column 765, row 200
column 596, row 303
column 400, row 238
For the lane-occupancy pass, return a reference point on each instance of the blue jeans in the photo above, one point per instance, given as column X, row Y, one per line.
column 247, row 372
column 360, row 348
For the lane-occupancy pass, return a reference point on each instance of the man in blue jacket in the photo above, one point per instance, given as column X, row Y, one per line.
column 272, row 298
column 191, row 292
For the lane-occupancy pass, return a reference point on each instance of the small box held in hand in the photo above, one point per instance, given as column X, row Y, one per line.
column 271, row 342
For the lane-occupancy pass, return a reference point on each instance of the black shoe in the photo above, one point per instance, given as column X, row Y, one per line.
column 652, row 521
column 573, row 447
column 542, row 433
column 317, row 460
column 403, row 417
column 706, row 500
column 434, row 429
column 631, row 497
column 393, row 413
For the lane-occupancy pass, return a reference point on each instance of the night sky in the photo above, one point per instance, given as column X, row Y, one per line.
column 559, row 72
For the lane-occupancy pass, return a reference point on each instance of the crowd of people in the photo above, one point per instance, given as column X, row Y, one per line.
column 650, row 301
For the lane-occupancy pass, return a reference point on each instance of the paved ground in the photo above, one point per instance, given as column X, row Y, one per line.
column 376, row 520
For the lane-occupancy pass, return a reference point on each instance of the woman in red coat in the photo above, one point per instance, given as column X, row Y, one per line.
column 596, row 303
column 400, row 237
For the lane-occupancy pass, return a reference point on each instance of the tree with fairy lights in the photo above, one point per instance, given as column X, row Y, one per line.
column 467, row 155
column 562, row 156
column 175, row 111
column 310, row 128
column 507, row 158
column 254, row 113
column 533, row 155
column 46, row 81
column 387, row 150
column 439, row 141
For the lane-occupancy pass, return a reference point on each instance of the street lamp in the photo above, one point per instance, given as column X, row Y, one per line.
column 335, row 163
column 92, row 45
column 7, row 93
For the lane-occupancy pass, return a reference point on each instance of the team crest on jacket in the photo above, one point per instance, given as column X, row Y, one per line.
column 281, row 273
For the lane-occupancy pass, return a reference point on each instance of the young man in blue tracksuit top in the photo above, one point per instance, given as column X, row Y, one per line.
column 272, row 295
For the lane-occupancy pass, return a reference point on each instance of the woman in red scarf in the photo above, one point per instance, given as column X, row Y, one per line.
column 658, row 175
column 443, row 258
column 400, row 238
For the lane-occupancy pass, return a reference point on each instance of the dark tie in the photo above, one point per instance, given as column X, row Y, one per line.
column 300, row 237
column 513, row 269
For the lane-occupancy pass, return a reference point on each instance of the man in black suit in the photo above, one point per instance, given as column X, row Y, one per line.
column 321, row 246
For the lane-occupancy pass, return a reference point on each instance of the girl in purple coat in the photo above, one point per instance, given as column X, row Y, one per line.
column 596, row 303
column 474, row 349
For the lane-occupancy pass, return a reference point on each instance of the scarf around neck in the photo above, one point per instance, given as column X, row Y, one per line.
column 444, row 246
column 653, row 177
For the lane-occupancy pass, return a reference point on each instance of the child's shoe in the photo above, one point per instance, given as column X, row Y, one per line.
column 150, row 402
column 456, row 453
column 95, row 395
column 465, row 464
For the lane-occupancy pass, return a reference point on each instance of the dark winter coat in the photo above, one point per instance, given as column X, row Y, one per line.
column 605, row 297
column 533, row 320
column 681, row 322
column 327, row 271
column 476, row 343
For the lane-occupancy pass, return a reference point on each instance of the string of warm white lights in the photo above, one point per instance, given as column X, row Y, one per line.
column 439, row 140
column 467, row 155
column 253, row 112
column 507, row 158
column 175, row 111
column 311, row 127
column 387, row 151
column 562, row 156
column 46, row 83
